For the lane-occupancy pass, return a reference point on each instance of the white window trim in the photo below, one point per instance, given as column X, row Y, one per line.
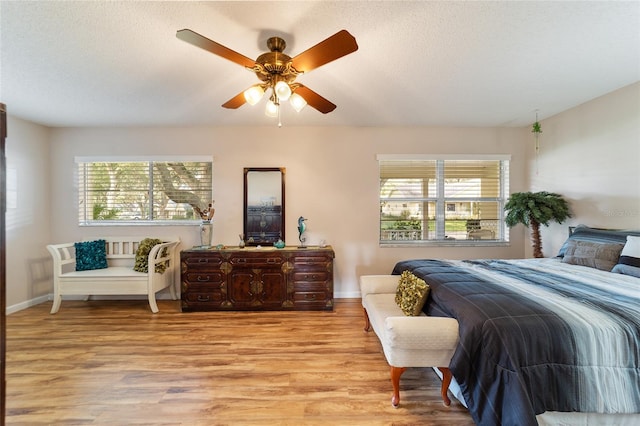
column 133, row 159
column 138, row 158
column 442, row 242
column 409, row 157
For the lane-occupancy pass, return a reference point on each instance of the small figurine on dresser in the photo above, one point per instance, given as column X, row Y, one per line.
column 301, row 228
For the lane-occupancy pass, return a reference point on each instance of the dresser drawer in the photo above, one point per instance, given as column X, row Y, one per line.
column 311, row 286
column 312, row 300
column 310, row 276
column 309, row 296
column 311, row 258
column 203, row 277
column 268, row 260
column 202, row 261
column 203, row 297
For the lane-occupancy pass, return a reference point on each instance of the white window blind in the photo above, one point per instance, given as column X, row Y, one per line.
column 126, row 191
column 452, row 199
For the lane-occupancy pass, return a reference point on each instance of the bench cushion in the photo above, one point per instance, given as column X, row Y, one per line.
column 110, row 272
column 380, row 307
column 371, row 284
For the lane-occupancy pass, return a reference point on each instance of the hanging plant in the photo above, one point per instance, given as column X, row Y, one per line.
column 536, row 128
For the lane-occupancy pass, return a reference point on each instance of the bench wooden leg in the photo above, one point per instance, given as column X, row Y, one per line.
column 57, row 300
column 152, row 303
column 446, row 381
column 367, row 323
column 396, row 372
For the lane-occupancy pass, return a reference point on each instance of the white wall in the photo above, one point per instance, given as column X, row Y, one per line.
column 591, row 155
column 29, row 213
column 331, row 179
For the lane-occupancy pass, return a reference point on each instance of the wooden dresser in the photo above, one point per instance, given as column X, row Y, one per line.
column 257, row 279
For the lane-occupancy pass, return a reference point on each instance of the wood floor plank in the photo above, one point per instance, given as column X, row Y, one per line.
column 114, row 363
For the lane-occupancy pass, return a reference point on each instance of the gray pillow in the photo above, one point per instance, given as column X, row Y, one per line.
column 603, row 256
column 623, row 269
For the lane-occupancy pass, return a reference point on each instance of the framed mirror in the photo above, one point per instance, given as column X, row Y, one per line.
column 263, row 205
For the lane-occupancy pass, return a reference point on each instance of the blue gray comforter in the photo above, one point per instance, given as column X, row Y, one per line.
column 538, row 335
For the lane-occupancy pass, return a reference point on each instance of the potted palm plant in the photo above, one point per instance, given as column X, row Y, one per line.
column 533, row 209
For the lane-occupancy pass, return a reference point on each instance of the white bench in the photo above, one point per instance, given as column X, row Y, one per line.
column 419, row 341
column 118, row 278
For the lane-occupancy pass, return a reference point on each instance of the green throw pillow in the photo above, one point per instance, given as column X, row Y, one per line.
column 142, row 256
column 91, row 255
column 411, row 294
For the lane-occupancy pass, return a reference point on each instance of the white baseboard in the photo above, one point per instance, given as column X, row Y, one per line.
column 27, row 304
column 347, row 295
column 49, row 297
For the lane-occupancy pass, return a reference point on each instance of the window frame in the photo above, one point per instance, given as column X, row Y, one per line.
column 502, row 239
column 134, row 159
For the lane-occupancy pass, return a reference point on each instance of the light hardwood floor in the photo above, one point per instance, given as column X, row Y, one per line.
column 116, row 363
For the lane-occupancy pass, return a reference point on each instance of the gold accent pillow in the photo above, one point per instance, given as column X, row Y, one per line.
column 411, row 294
column 142, row 256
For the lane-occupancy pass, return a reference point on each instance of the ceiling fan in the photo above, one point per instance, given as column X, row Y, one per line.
column 278, row 71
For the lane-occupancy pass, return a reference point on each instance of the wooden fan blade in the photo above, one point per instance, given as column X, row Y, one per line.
column 236, row 102
column 215, row 48
column 315, row 100
column 338, row 45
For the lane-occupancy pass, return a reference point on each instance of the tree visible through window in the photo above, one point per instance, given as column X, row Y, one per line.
column 453, row 199
column 125, row 191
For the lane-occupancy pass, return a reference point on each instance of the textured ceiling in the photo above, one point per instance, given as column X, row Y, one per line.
column 421, row 63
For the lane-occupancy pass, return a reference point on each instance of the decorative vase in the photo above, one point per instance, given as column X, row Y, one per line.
column 206, row 233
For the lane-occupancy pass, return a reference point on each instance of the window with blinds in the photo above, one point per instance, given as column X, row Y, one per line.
column 452, row 199
column 124, row 191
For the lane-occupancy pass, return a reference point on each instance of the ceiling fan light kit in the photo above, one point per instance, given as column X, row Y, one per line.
column 278, row 71
column 283, row 91
column 253, row 94
column 297, row 102
column 272, row 109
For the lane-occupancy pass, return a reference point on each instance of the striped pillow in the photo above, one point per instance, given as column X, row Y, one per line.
column 629, row 262
column 597, row 235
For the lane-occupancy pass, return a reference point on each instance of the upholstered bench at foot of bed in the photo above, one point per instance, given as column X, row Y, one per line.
column 419, row 341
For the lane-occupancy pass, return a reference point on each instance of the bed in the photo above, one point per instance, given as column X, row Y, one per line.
column 545, row 337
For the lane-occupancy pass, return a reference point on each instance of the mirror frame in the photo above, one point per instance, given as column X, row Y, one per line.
column 269, row 240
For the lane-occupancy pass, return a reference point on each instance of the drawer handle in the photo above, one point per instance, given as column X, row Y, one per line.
column 310, row 276
column 201, row 260
column 310, row 296
column 203, row 279
column 272, row 260
column 203, row 298
column 242, row 260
